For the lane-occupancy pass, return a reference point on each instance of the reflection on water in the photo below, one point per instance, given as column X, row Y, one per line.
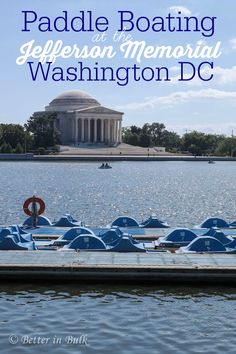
column 119, row 319
column 138, row 319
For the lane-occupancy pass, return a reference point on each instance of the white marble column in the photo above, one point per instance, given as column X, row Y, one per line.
column 82, row 130
column 102, row 130
column 89, row 131
column 73, row 130
column 113, row 131
column 108, row 131
column 76, row 130
column 95, row 130
column 117, row 140
column 120, row 132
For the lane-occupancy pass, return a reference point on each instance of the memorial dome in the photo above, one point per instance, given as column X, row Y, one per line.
column 71, row 101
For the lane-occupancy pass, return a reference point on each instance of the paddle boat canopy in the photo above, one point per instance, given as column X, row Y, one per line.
column 86, row 242
column 128, row 221
column 125, row 221
column 71, row 234
column 203, row 244
column 41, row 221
column 213, row 222
column 176, row 238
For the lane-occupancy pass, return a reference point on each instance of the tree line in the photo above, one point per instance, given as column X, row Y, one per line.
column 39, row 135
column 194, row 142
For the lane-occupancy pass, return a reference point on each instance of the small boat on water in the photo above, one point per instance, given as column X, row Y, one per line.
column 105, row 166
column 211, row 161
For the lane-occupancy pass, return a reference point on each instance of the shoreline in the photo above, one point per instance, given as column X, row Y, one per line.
column 106, row 158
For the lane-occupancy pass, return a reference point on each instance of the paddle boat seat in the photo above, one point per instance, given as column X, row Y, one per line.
column 127, row 244
column 17, row 228
column 220, row 236
column 67, row 221
column 111, row 236
column 232, row 244
column 233, row 224
column 15, row 242
column 20, row 237
column 154, row 223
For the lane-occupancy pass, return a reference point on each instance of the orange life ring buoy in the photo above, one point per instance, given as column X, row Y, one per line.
column 35, row 200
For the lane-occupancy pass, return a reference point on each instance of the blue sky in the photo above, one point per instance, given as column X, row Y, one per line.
column 206, row 106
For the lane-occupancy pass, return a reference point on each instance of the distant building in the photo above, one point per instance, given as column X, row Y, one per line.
column 80, row 118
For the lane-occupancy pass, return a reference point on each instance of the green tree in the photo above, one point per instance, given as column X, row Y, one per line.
column 226, row 147
column 155, row 130
column 194, row 141
column 145, row 140
column 6, row 148
column 170, row 140
column 135, row 130
column 13, row 134
column 19, row 149
column 42, row 128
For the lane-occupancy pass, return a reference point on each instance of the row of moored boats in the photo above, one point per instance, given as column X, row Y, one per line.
column 214, row 235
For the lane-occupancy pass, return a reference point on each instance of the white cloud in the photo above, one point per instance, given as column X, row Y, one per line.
column 174, row 68
column 179, row 97
column 184, row 10
column 233, row 43
column 224, row 75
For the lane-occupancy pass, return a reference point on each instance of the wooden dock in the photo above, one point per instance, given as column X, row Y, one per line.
column 84, row 266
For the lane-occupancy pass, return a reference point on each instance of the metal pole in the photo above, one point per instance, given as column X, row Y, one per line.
column 34, row 212
column 25, row 142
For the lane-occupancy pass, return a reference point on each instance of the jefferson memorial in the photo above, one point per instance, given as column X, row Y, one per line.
column 80, row 118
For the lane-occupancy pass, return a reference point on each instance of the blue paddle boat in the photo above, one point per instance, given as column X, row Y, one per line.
column 177, row 238
column 206, row 244
column 128, row 221
column 213, row 222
